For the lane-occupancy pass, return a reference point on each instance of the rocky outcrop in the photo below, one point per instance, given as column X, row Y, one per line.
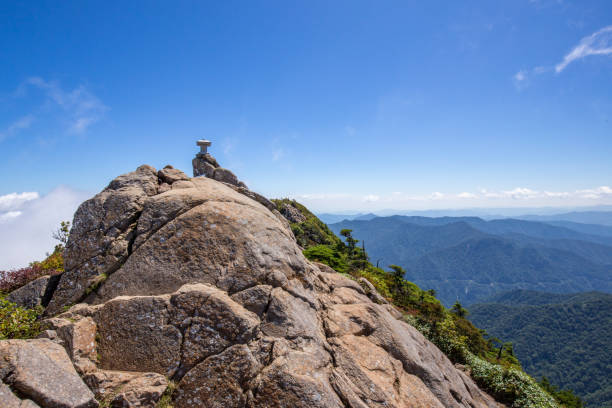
column 41, row 370
column 31, row 294
column 206, row 165
column 194, row 281
column 126, row 389
column 292, row 214
column 10, row 400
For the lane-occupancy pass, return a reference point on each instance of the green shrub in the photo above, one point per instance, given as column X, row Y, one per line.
column 17, row 322
column 328, row 256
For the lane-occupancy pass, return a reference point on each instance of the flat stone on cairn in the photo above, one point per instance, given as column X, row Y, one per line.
column 203, row 143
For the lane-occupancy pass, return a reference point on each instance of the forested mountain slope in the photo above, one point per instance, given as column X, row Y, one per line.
column 567, row 338
column 469, row 259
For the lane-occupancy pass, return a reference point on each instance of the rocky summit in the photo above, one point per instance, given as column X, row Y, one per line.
column 197, row 285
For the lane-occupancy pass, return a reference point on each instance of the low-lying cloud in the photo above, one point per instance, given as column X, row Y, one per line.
column 27, row 221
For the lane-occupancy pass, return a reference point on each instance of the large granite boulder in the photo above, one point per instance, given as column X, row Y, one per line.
column 31, row 294
column 42, row 371
column 203, row 285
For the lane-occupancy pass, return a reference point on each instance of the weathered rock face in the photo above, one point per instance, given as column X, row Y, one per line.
column 195, row 281
column 292, row 213
column 31, row 294
column 41, row 370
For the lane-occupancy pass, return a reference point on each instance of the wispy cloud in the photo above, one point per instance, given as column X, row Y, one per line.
column 598, row 43
column 20, row 124
column 278, row 154
column 520, row 76
column 9, row 215
column 15, row 200
column 76, row 109
column 83, row 108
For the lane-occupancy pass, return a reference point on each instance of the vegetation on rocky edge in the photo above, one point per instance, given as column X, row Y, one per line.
column 566, row 338
column 490, row 362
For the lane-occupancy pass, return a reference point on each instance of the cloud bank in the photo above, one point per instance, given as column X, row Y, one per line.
column 27, row 221
column 483, row 198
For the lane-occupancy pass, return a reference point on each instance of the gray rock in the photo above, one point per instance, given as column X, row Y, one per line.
column 292, row 214
column 141, row 325
column 101, row 233
column 371, row 291
column 202, row 167
column 207, row 234
column 219, row 381
column 163, row 187
column 255, row 299
column 31, row 294
column 41, row 370
column 170, row 175
column 127, row 389
column 254, row 196
column 225, row 176
column 211, row 160
column 77, row 334
column 7, row 398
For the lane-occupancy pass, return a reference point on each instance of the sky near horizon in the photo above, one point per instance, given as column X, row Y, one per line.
column 344, row 105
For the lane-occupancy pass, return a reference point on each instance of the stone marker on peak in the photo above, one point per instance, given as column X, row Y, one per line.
column 204, row 164
column 203, row 143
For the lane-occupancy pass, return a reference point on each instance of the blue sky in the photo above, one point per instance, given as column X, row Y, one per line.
column 345, row 105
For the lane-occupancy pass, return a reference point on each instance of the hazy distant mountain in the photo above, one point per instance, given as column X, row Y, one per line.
column 568, row 338
column 333, row 218
column 584, row 217
column 593, row 229
column 470, row 259
column 365, row 217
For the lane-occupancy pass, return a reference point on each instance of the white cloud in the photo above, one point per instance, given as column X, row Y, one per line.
column 483, row 198
column 9, row 215
column 520, row 193
column 15, row 200
column 520, row 76
column 27, row 221
column 595, row 193
column 521, row 79
column 598, row 43
column 562, row 194
column 15, row 127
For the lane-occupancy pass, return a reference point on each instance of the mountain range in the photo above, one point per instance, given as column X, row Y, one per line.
column 470, row 259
